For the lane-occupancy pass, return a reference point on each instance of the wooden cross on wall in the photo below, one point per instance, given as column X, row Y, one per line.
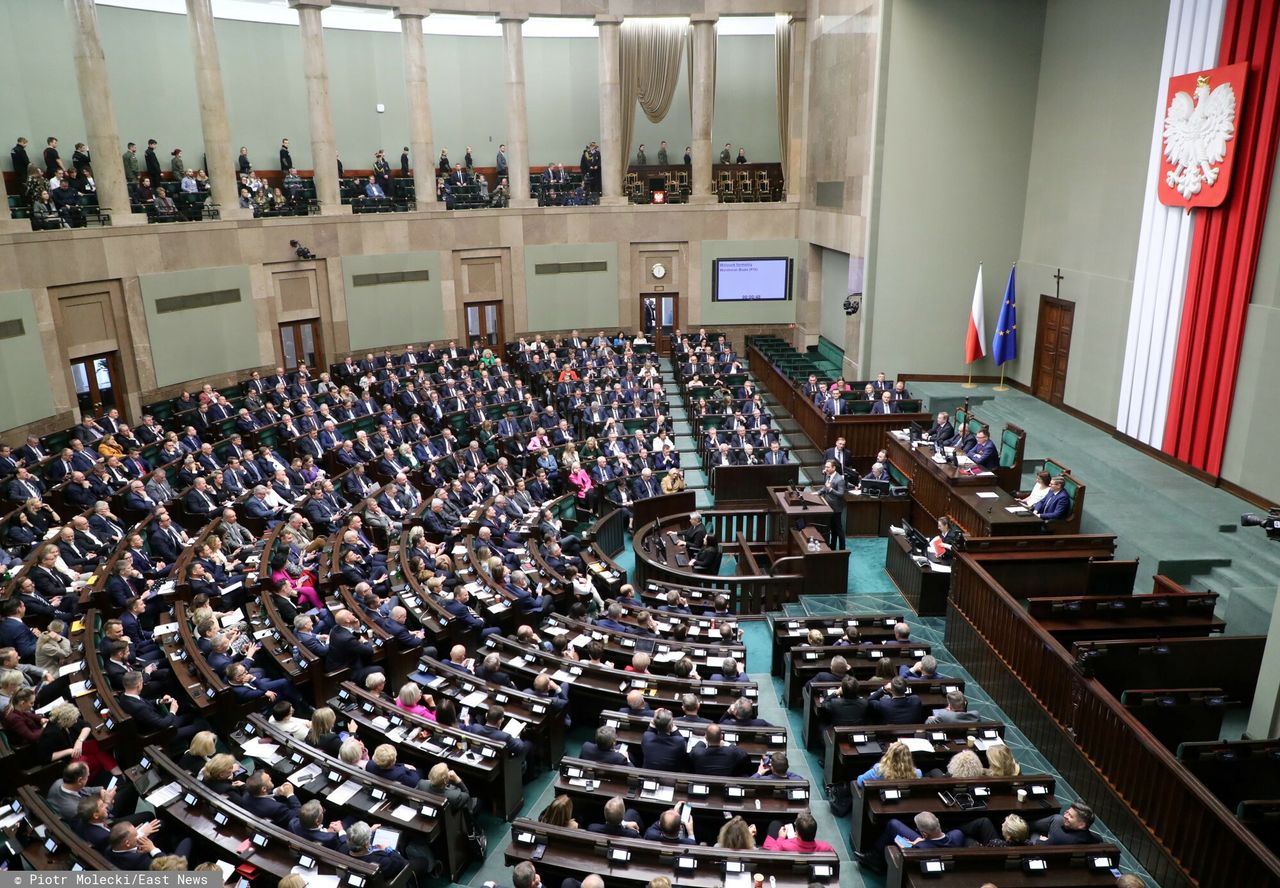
column 1057, row 293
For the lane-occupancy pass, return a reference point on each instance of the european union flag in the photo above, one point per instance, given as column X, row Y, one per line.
column 1004, row 347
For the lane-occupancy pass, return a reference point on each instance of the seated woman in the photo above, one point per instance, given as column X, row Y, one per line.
column 219, row 774
column 583, row 488
column 383, row 764
column 308, row 597
column 895, row 764
column 199, row 753
column 559, row 813
column 66, row 737
column 323, row 735
column 411, row 699
column 709, row 556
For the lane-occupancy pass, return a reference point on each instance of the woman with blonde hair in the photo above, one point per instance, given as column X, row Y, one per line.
column 895, row 764
column 964, row 763
column 110, row 447
column 559, row 813
column 52, row 647
column 383, row 764
column 66, row 736
column 816, row 638
column 217, row 773
column 737, row 835
column 353, row 752
column 322, row 734
column 1001, row 763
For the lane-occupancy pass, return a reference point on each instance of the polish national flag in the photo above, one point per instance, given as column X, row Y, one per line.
column 977, row 335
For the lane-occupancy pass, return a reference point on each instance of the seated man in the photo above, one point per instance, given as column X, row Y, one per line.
column 492, row 729
column 715, row 758
column 729, row 672
column 984, row 453
column 673, row 827
column 776, row 766
column 927, row 834
column 957, row 711
column 373, row 190
column 848, row 707
column 619, row 820
column 1071, row 827
column 604, row 749
column 662, row 746
column 742, row 714
column 892, row 705
column 1056, row 504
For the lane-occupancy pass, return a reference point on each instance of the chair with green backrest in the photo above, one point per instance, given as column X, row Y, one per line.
column 1013, row 442
column 1075, row 490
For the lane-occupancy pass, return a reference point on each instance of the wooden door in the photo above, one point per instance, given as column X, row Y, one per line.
column 300, row 344
column 1053, row 349
column 658, row 318
column 484, row 324
column 98, row 385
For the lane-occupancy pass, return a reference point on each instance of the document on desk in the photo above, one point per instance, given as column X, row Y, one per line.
column 987, row 494
column 939, row 568
column 661, row 794
column 343, row 793
column 1017, row 510
column 403, row 813
column 231, row 619
column 560, row 675
column 256, row 747
column 983, row 745
column 475, row 698
column 916, row 744
column 158, row 798
column 513, row 727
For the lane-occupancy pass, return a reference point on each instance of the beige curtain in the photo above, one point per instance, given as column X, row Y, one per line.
column 650, row 68
column 782, row 80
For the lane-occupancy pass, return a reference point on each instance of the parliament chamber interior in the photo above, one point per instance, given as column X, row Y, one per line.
column 676, row 475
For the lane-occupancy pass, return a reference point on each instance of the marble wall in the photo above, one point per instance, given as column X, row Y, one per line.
column 473, row 255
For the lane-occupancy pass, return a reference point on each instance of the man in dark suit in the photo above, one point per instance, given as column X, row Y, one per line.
column 1071, row 827
column 604, row 749
column 619, row 820
column 276, row 805
column 894, row 706
column 885, row 404
column 346, row 650
column 309, row 824
column 153, row 717
column 983, row 452
column 663, row 748
column 712, row 757
column 492, row 729
column 1056, row 504
column 942, row 431
column 848, row 707
column 832, row 492
column 14, row 632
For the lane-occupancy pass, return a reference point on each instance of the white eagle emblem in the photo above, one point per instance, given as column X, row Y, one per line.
column 1196, row 133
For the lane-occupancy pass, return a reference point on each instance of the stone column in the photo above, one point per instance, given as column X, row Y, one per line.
column 517, row 119
column 324, row 152
column 703, row 105
column 798, row 111
column 99, row 115
column 612, row 161
column 213, row 110
column 415, row 81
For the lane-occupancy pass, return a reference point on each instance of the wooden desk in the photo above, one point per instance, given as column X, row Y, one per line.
column 788, row 631
column 874, row 515
column 924, row 588
column 976, row 502
column 652, row 508
column 485, row 765
column 219, row 822
column 803, row 662
column 871, row 811
column 967, row 867
column 433, row 822
column 572, row 852
column 749, row 484
column 755, row 741
column 758, row 801
column 814, row 728
column 855, row 748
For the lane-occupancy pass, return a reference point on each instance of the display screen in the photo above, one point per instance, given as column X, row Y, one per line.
column 751, row 280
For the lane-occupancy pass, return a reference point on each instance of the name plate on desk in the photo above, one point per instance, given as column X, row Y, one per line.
column 688, row 864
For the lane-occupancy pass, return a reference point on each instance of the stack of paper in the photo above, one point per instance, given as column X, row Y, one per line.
column 256, row 747
column 162, row 796
column 343, row 793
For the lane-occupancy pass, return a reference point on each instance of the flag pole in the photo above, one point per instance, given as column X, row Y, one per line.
column 970, row 384
column 1001, row 387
